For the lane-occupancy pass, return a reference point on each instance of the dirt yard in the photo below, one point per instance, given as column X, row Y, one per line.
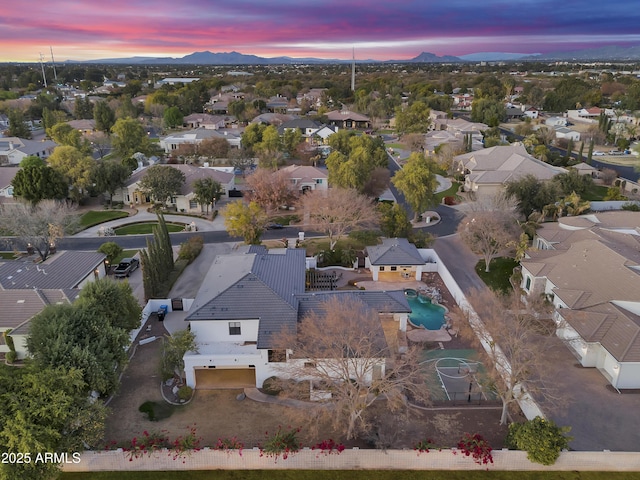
column 219, row 414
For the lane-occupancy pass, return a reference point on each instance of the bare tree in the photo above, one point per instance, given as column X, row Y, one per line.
column 341, row 348
column 517, row 340
column 489, row 229
column 337, row 211
column 271, row 190
column 39, row 226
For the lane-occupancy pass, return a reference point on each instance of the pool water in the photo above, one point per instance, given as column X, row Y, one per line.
column 423, row 312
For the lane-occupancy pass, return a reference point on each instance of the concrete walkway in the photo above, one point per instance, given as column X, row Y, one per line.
column 257, row 396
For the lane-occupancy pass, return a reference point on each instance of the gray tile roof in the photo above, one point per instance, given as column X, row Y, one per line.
column 393, row 301
column 254, row 285
column 64, row 271
column 395, row 251
column 7, row 174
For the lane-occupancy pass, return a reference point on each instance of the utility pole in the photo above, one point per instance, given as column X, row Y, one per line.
column 44, row 76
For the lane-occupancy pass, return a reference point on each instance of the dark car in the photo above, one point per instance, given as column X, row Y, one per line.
column 274, row 226
column 125, row 267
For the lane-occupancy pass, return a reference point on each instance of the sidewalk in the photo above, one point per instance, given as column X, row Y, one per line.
column 203, row 225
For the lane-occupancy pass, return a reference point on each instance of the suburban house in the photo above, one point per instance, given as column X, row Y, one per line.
column 19, row 306
column 531, row 112
column 487, row 170
column 348, row 119
column 205, row 120
column 13, row 149
column 7, row 174
column 84, row 126
column 395, row 258
column 27, row 288
column 171, row 143
column 305, row 126
column 305, row 177
column 246, row 300
column 459, row 128
column 567, row 133
column 277, row 104
column 184, row 201
column 589, row 268
column 269, row 118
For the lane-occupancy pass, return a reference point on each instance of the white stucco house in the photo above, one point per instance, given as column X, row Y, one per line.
column 589, row 268
column 246, row 300
column 171, row 143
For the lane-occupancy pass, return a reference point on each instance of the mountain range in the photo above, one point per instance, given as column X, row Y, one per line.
column 608, row 53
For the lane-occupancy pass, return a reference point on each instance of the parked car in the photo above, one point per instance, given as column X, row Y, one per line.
column 274, row 226
column 125, row 267
column 598, row 154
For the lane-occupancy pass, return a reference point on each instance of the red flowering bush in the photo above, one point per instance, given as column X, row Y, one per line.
column 229, row 444
column 327, row 447
column 423, row 446
column 146, row 444
column 185, row 444
column 281, row 443
column 477, row 447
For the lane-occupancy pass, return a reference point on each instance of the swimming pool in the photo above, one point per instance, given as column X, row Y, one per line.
column 424, row 313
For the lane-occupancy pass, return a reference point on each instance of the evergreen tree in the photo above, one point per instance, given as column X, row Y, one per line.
column 157, row 260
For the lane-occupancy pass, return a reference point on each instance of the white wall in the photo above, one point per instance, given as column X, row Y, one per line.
column 218, row 331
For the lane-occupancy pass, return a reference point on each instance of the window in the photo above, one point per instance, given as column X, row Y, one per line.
column 193, row 204
column 234, row 328
column 277, row 356
column 382, row 269
column 394, row 269
column 319, row 181
column 527, row 286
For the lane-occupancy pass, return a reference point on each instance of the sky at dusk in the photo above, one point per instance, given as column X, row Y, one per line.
column 393, row 29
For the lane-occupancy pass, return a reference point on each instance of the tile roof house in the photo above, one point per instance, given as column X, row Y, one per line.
column 246, row 300
column 19, row 306
column 589, row 268
column 487, row 170
column 395, row 256
column 13, row 149
column 27, row 288
column 184, row 201
column 205, row 120
column 348, row 119
column 306, row 177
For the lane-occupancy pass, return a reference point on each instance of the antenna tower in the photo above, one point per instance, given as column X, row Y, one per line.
column 53, row 62
column 44, row 76
column 353, row 70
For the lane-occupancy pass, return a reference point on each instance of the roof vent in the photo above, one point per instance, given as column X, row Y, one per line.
column 20, row 301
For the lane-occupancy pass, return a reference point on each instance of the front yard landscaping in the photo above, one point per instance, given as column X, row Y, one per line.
column 96, row 217
column 146, row 228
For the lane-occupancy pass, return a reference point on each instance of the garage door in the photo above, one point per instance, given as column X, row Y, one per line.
column 216, row 378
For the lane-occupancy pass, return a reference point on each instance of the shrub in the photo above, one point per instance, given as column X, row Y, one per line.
column 185, row 392
column 328, row 447
column 450, row 200
column 147, row 407
column 542, row 439
column 190, row 249
column 272, row 386
column 281, row 443
column 229, row 444
column 632, row 207
column 11, row 357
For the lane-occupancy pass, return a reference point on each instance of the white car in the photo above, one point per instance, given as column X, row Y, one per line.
column 598, row 154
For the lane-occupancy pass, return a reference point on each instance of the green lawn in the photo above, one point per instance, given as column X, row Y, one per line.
column 8, row 255
column 500, row 269
column 595, row 193
column 450, row 192
column 143, row 228
column 349, row 475
column 96, row 217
